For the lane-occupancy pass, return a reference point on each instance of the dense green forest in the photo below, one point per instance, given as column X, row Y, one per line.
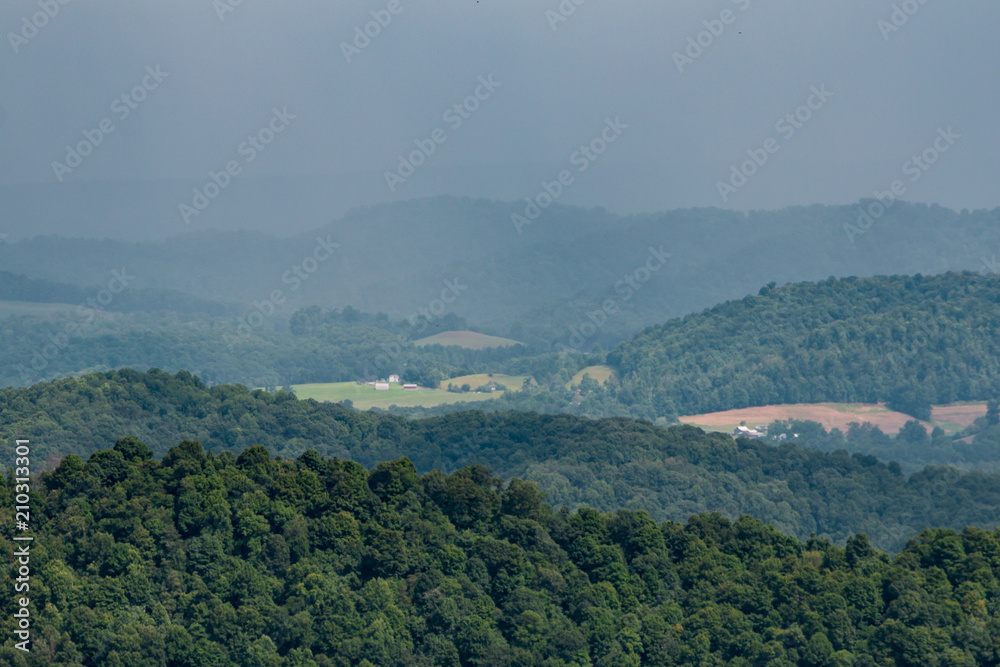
column 608, row 464
column 219, row 559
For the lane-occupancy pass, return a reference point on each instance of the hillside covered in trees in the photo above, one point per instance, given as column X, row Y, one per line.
column 218, row 559
column 910, row 341
column 117, row 298
column 313, row 346
column 608, row 464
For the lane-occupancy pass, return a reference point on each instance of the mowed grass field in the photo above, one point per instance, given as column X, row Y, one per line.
column 512, row 382
column 951, row 418
column 599, row 373
column 365, row 396
column 8, row 308
column 467, row 339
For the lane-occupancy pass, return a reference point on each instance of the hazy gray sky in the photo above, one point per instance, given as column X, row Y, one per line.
column 891, row 93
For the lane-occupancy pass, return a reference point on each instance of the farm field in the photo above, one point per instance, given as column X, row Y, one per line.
column 467, row 339
column 951, row 418
column 365, row 396
column 8, row 308
column 598, row 373
column 512, row 382
column 956, row 417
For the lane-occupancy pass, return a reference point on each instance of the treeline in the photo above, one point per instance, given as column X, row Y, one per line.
column 14, row 287
column 608, row 464
column 910, row 341
column 206, row 559
column 116, row 294
column 976, row 447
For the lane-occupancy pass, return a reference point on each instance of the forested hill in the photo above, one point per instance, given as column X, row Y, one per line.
column 111, row 293
column 225, row 560
column 911, row 341
column 608, row 464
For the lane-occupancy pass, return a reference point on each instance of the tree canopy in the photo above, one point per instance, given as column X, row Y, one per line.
column 218, row 559
column 607, row 464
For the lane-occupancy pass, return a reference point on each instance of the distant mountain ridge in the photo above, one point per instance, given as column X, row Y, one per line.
column 395, row 258
column 112, row 294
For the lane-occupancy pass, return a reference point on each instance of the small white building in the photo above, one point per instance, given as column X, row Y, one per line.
column 394, row 378
column 381, row 386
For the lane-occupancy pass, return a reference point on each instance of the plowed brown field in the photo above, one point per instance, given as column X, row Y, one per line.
column 838, row 415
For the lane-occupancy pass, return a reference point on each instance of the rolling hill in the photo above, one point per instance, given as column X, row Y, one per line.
column 909, row 341
column 609, row 464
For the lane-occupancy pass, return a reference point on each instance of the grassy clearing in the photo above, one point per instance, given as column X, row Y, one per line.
column 9, row 308
column 598, row 373
column 365, row 396
column 467, row 339
column 512, row 382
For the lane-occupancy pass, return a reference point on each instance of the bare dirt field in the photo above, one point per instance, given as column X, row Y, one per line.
column 467, row 339
column 838, row 415
column 957, row 416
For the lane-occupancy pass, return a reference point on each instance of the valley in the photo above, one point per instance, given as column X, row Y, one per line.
column 500, row 334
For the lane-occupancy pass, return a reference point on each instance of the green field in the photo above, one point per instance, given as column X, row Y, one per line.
column 467, row 339
column 8, row 308
column 599, row 373
column 365, row 396
column 512, row 382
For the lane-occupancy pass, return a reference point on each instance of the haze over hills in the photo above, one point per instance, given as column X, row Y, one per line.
column 569, row 263
column 355, row 334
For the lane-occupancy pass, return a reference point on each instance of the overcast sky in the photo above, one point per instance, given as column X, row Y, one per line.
column 559, row 82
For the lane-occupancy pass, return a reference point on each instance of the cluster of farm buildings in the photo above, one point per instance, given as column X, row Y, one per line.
column 383, row 385
column 758, row 431
column 744, row 431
